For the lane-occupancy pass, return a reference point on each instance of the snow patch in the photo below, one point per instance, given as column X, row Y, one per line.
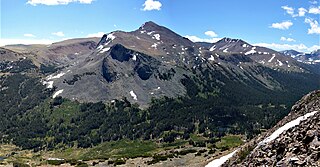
column 225, row 50
column 57, row 93
column 252, row 51
column 154, row 45
column 48, row 83
column 244, row 45
column 156, row 36
column 280, row 63
column 285, row 127
column 104, row 50
column 50, row 77
column 272, row 58
column 134, row 58
column 99, row 47
column 211, row 58
column 221, row 160
column 149, row 33
column 133, row 95
column 212, row 48
column 110, row 36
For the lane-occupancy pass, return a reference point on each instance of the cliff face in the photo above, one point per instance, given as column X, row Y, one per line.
column 294, row 141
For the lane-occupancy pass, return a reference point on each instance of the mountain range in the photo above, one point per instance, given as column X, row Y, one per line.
column 150, row 62
column 150, row 86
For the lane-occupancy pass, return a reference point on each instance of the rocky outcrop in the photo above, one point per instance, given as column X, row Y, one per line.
column 297, row 146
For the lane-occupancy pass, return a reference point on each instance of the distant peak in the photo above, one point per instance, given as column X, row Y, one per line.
column 231, row 40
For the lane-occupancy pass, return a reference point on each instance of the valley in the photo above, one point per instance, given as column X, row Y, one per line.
column 145, row 97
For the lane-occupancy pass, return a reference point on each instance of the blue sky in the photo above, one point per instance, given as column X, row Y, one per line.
column 279, row 24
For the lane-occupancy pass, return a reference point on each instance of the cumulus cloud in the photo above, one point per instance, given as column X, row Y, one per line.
column 59, row 34
column 314, row 10
column 287, row 39
column 281, row 47
column 98, row 34
column 151, row 5
column 282, row 26
column 57, row 2
column 313, row 2
column 197, row 39
column 211, row 34
column 288, row 9
column 314, row 26
column 302, row 12
column 29, row 35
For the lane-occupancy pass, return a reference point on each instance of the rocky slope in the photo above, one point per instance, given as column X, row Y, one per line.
column 294, row 141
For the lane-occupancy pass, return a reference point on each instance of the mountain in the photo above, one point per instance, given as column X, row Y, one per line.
column 265, row 56
column 308, row 58
column 293, row 141
column 151, row 61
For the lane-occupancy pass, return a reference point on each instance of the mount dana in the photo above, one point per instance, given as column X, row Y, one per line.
column 153, row 61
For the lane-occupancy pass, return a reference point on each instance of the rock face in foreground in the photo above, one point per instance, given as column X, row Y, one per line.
column 297, row 146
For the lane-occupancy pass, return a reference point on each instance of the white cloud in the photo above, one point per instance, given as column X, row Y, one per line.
column 4, row 42
column 281, row 47
column 98, row 34
column 59, row 34
column 314, row 26
column 151, row 5
column 29, row 35
column 283, row 25
column 289, row 10
column 313, row 2
column 287, row 39
column 302, row 12
column 314, row 10
column 211, row 34
column 197, row 39
column 57, row 2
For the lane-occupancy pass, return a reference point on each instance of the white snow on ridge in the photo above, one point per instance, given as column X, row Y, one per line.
column 285, row 127
column 221, row 160
column 50, row 77
column 225, row 50
column 280, row 63
column 134, row 57
column 211, row 58
column 48, row 83
column 110, row 36
column 272, row 58
column 104, row 50
column 252, row 51
column 57, row 93
column 100, row 47
column 212, row 48
column 154, row 45
column 133, row 95
column 156, row 36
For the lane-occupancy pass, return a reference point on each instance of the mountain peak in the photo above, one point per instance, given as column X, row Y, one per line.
column 149, row 25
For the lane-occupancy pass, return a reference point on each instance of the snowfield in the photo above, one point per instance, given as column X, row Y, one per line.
column 221, row 160
column 57, row 93
column 285, row 127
